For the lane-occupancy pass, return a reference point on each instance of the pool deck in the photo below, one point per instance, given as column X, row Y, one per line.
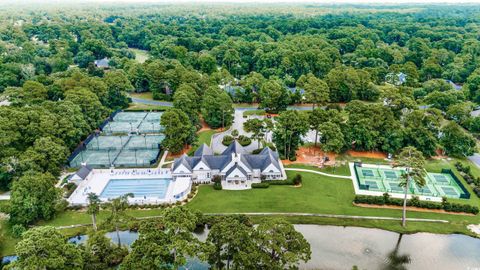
column 98, row 179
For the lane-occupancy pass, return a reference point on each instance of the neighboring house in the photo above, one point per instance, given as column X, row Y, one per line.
column 396, row 79
column 236, row 168
column 475, row 113
column 81, row 174
column 102, row 63
column 454, row 85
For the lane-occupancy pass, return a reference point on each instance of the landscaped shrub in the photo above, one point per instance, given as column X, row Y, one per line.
column 69, row 188
column 234, row 133
column 260, row 185
column 244, row 140
column 287, row 182
column 227, row 140
column 415, row 202
column 257, row 151
column 217, row 186
column 466, row 173
column 18, row 230
column 217, row 179
column 297, row 180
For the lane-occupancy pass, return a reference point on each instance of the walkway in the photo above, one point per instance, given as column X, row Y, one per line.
column 162, row 160
column 317, row 172
column 289, row 215
column 329, row 216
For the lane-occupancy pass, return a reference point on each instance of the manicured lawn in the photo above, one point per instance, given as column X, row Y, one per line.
column 205, row 137
column 141, row 55
column 143, row 95
column 147, row 107
column 254, row 112
column 318, row 194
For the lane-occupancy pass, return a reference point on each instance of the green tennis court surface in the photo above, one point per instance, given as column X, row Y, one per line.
column 131, row 139
column 388, row 180
column 128, row 122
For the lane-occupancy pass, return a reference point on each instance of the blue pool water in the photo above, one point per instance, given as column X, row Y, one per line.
column 141, row 188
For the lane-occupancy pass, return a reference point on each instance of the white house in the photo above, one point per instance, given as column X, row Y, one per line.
column 236, row 168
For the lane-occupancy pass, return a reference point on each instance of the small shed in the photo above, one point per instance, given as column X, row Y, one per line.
column 81, row 174
column 102, row 63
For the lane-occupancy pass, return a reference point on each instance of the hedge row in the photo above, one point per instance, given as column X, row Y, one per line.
column 260, row 185
column 287, row 182
column 466, row 173
column 415, row 202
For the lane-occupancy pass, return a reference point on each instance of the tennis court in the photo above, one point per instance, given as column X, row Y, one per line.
column 130, row 139
column 134, row 122
column 144, row 142
column 107, row 142
column 134, row 158
column 95, row 158
column 381, row 179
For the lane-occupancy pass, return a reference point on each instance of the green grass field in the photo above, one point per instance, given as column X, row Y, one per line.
column 142, row 95
column 323, row 195
column 203, row 137
column 140, row 55
column 318, row 194
column 254, row 112
column 147, row 107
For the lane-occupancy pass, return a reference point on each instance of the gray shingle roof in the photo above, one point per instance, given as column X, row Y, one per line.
column 260, row 161
column 102, row 63
column 183, row 160
column 236, row 167
column 203, row 150
column 235, row 147
column 83, row 172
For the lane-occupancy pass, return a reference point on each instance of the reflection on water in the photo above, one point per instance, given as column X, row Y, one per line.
column 336, row 247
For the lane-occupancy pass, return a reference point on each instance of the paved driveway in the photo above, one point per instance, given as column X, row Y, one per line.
column 475, row 159
column 237, row 124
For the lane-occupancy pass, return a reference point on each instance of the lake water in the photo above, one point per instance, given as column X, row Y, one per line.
column 335, row 247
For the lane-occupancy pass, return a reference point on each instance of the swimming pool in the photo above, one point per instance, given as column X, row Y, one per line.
column 141, row 188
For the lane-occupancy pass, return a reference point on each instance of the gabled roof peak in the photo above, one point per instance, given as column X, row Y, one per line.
column 234, row 148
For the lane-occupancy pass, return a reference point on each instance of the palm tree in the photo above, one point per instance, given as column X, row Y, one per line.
column 413, row 161
column 93, row 207
column 117, row 208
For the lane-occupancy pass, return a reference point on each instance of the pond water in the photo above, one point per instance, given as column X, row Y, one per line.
column 335, row 247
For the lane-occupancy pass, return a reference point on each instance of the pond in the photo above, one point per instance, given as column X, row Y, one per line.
column 335, row 247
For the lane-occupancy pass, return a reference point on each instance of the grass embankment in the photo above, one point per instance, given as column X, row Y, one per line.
column 254, row 112
column 203, row 137
column 327, row 195
column 147, row 107
column 318, row 194
column 140, row 55
column 142, row 95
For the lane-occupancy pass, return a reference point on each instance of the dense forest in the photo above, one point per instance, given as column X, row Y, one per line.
column 379, row 78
